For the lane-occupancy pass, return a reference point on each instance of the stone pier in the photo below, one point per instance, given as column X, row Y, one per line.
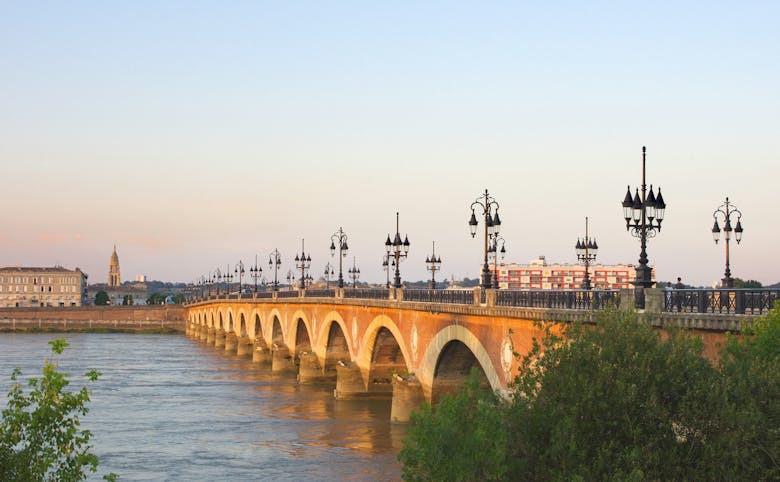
column 407, row 397
column 211, row 334
column 282, row 360
column 231, row 341
column 219, row 339
column 244, row 347
column 309, row 370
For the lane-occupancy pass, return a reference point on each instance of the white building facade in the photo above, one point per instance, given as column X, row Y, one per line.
column 35, row 287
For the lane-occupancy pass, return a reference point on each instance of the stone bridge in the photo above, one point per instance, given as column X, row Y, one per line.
column 409, row 351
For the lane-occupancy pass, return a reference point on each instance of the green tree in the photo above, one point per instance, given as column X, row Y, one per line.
column 463, row 438
column 40, row 434
column 614, row 401
column 156, row 298
column 751, row 283
column 179, row 298
column 750, row 421
column 101, row 298
column 127, row 300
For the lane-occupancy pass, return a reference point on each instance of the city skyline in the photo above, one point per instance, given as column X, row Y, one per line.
column 196, row 137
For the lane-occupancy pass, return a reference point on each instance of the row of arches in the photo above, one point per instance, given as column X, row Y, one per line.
column 380, row 351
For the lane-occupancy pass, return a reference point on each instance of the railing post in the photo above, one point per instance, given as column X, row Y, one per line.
column 477, row 296
column 338, row 293
column 490, row 297
column 399, row 294
column 654, row 300
column 739, row 302
column 627, row 299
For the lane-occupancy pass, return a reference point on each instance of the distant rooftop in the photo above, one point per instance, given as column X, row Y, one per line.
column 26, row 269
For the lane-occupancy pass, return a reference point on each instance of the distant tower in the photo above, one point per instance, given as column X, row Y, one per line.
column 113, row 270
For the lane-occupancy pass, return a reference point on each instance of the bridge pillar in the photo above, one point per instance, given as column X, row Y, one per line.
column 627, row 299
column 281, row 359
column 309, row 370
column 203, row 331
column 231, row 340
column 349, row 383
column 219, row 338
column 244, row 346
column 211, row 334
column 261, row 353
column 654, row 300
column 407, row 397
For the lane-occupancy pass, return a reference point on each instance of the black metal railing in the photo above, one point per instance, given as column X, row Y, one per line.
column 740, row 301
column 287, row 294
column 567, row 299
column 461, row 297
column 367, row 293
column 264, row 294
column 321, row 293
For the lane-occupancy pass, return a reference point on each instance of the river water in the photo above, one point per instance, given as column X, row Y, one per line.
column 170, row 408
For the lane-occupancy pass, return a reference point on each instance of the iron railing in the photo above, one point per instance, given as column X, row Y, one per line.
column 264, row 294
column 287, row 294
column 567, row 299
column 738, row 301
column 367, row 293
column 461, row 297
column 321, row 293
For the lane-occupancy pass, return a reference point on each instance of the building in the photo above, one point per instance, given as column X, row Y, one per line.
column 539, row 275
column 28, row 287
column 114, row 280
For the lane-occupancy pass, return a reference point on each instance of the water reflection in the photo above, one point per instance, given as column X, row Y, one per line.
column 168, row 408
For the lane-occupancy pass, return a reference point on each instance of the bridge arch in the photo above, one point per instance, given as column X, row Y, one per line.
column 277, row 334
column 299, row 331
column 242, row 332
column 454, row 342
column 230, row 327
column 382, row 344
column 333, row 344
column 219, row 326
column 256, row 325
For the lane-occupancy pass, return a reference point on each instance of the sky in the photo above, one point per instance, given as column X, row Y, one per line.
column 194, row 134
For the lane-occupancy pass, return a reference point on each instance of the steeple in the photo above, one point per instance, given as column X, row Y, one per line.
column 113, row 270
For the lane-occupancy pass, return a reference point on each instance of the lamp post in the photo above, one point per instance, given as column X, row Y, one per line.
column 274, row 261
column 387, row 261
column 643, row 217
column 290, row 278
column 328, row 274
column 339, row 238
column 354, row 273
column 433, row 264
column 255, row 272
column 489, row 208
column 303, row 263
column 394, row 248
column 217, row 278
column 495, row 252
column 228, row 279
column 209, row 282
column 586, row 252
column 240, row 275
column 726, row 210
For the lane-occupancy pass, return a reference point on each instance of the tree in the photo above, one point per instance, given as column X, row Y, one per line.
column 40, row 435
column 614, row 402
column 463, row 438
column 157, row 298
column 101, row 298
column 750, row 421
column 127, row 300
column 179, row 298
column 751, row 283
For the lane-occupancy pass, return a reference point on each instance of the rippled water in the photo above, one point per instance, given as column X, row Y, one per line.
column 170, row 408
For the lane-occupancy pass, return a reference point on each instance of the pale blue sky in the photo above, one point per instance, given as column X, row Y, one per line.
column 194, row 134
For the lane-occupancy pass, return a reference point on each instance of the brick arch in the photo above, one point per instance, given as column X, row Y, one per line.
column 427, row 369
column 292, row 331
column 220, row 320
column 370, row 337
column 268, row 329
column 242, row 331
column 230, row 324
column 276, row 331
column 255, row 329
column 328, row 353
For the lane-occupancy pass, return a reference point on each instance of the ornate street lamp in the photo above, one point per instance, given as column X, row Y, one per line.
column 228, row 277
column 354, row 273
column 328, row 274
column 290, row 279
column 339, row 238
column 586, row 252
column 495, row 252
column 433, row 264
column 726, row 210
column 388, row 263
column 489, row 208
column 303, row 263
column 643, row 217
column 398, row 250
column 255, row 272
column 217, row 278
column 239, row 271
column 274, row 261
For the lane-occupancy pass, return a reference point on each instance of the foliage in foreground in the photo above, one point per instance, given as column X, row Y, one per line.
column 40, row 434
column 614, row 401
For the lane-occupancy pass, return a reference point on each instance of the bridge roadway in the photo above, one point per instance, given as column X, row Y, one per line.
column 408, row 351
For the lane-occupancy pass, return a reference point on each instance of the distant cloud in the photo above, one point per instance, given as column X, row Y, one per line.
column 149, row 244
column 57, row 238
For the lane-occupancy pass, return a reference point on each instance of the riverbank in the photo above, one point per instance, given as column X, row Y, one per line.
column 53, row 329
column 94, row 319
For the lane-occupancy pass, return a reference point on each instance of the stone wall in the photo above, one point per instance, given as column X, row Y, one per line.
column 90, row 317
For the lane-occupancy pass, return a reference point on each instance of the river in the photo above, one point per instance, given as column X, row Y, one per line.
column 170, row 408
